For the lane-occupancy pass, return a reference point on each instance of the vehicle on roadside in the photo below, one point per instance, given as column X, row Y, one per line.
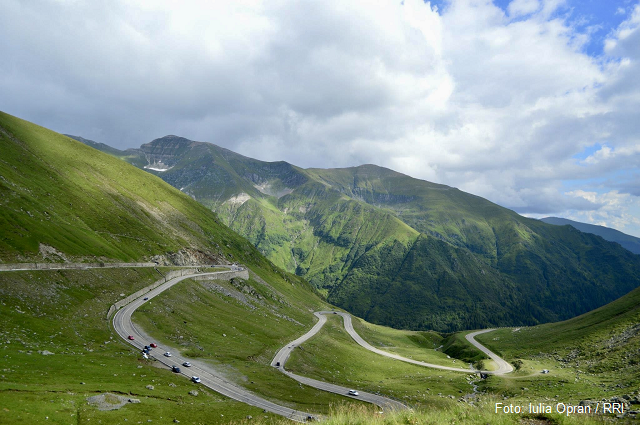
column 153, row 345
column 175, row 369
column 144, row 356
column 131, row 337
column 167, row 354
column 186, row 364
column 195, row 379
column 353, row 392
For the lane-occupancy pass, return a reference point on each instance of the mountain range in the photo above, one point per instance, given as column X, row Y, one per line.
column 393, row 249
column 626, row 241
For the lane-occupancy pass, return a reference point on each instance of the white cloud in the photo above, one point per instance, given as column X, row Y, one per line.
column 523, row 7
column 617, row 210
column 497, row 104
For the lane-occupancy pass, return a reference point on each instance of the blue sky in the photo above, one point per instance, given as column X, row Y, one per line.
column 599, row 17
column 532, row 104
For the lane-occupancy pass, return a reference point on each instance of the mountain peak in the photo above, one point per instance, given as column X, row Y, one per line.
column 171, row 141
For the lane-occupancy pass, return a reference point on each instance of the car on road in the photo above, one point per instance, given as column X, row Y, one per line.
column 186, row 364
column 353, row 392
column 175, row 369
column 153, row 345
column 146, row 298
column 167, row 354
column 195, row 379
column 131, row 337
column 144, row 356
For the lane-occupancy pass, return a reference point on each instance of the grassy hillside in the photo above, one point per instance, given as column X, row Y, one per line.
column 88, row 205
column 611, row 332
column 398, row 250
column 590, row 357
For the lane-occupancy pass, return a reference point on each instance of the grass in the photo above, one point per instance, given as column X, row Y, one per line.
column 417, row 345
column 451, row 413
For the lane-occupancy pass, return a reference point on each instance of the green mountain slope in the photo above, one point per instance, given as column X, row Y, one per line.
column 627, row 241
column 598, row 350
column 397, row 250
column 61, row 194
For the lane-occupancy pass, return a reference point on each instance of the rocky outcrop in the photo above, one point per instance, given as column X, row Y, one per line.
column 188, row 257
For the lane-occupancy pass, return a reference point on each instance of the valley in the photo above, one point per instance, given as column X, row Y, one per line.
column 79, row 213
column 395, row 250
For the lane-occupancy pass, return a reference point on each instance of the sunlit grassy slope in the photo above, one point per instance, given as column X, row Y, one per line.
column 87, row 204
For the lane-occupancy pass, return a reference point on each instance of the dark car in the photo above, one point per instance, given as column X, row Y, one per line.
column 146, row 298
column 175, row 369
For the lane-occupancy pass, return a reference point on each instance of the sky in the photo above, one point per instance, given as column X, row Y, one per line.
column 532, row 104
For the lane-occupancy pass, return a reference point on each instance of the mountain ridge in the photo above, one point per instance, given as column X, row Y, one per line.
column 350, row 232
column 628, row 242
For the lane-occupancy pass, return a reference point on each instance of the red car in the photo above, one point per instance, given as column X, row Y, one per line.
column 131, row 337
column 153, row 344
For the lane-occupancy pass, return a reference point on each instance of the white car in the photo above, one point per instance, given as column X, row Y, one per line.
column 195, row 379
column 167, row 354
column 353, row 392
column 186, row 364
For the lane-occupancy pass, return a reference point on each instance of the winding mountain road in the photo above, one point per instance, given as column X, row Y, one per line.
column 281, row 357
column 124, row 327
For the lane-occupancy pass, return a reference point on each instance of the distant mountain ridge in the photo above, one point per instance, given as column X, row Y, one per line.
column 397, row 250
column 627, row 241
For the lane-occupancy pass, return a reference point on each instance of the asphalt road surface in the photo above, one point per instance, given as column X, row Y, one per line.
column 503, row 366
column 125, row 327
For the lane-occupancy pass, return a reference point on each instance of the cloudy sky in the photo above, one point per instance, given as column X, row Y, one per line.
column 533, row 104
